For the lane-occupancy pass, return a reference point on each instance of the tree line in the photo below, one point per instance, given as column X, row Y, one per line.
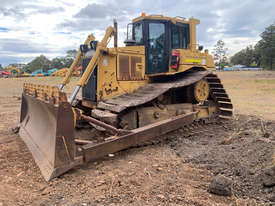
column 42, row 62
column 262, row 54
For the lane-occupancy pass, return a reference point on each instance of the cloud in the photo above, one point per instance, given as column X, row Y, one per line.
column 25, row 8
column 5, row 3
column 13, row 12
column 90, row 25
column 95, row 11
column 95, row 17
column 46, row 9
column 17, row 46
column 16, row 50
column 248, row 19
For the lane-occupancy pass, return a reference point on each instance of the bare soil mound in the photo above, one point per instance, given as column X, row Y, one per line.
column 238, row 149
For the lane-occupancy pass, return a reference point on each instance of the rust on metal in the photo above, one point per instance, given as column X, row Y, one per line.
column 89, row 104
column 135, row 73
column 82, row 141
column 47, row 129
column 108, row 127
column 105, row 116
column 124, row 72
column 44, row 93
column 93, row 152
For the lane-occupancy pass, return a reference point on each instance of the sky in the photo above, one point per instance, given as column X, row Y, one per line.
column 29, row 28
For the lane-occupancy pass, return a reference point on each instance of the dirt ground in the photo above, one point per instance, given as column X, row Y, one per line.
column 176, row 171
column 252, row 92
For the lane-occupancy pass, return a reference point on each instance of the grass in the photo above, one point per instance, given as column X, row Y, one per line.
column 251, row 92
column 265, row 85
column 262, row 81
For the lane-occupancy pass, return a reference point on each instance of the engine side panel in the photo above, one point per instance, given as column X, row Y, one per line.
column 198, row 59
column 121, row 73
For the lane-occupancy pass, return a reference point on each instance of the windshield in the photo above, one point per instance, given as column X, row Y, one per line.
column 138, row 36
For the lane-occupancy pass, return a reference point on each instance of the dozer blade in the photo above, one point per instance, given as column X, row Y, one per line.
column 47, row 128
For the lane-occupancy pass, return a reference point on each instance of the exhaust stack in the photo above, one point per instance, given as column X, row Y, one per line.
column 115, row 33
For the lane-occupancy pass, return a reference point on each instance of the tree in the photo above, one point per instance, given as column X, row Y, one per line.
column 1, row 68
column 71, row 53
column 40, row 62
column 220, row 53
column 61, row 62
column 69, row 58
column 263, row 54
column 57, row 63
column 237, row 58
column 246, row 56
column 265, row 48
column 45, row 64
column 67, row 62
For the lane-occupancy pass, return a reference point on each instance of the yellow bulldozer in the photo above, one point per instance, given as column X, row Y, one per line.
column 160, row 81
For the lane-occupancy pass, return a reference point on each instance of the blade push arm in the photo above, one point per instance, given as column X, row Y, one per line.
column 75, row 63
column 91, row 66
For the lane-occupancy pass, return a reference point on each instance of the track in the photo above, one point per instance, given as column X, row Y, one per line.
column 148, row 93
column 151, row 91
column 219, row 95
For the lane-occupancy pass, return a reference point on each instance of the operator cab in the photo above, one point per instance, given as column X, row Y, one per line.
column 159, row 35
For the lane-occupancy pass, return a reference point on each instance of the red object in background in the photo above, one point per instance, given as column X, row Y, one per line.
column 175, row 60
column 78, row 71
column 4, row 73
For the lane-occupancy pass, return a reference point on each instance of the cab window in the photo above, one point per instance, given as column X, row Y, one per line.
column 180, row 37
column 138, row 34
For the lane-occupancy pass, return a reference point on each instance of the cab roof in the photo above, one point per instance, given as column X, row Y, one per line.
column 174, row 20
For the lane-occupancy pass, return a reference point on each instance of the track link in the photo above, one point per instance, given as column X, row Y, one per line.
column 219, row 95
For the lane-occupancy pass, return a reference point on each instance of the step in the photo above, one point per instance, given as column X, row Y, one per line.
column 220, row 94
column 223, row 99
column 219, row 90
column 211, row 75
column 215, row 85
column 225, row 112
column 213, row 79
column 225, row 105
